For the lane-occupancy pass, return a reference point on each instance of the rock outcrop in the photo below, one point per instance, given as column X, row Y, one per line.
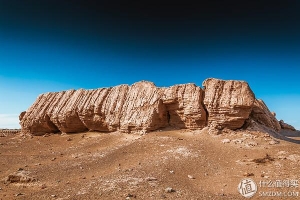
column 127, row 108
column 284, row 125
column 184, row 106
column 229, row 103
column 36, row 119
column 261, row 114
column 143, row 107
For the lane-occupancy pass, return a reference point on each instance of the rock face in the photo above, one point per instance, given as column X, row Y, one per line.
column 261, row 114
column 184, row 106
column 284, row 125
column 228, row 103
column 36, row 119
column 127, row 108
column 143, row 107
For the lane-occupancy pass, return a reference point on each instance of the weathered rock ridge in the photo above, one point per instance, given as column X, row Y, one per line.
column 143, row 107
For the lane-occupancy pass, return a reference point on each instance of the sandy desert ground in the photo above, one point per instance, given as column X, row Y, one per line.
column 167, row 164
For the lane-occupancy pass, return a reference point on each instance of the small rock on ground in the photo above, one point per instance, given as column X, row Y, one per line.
column 248, row 174
column 272, row 142
column 191, row 177
column 151, row 179
column 19, row 194
column 251, row 144
column 225, row 141
column 169, row 190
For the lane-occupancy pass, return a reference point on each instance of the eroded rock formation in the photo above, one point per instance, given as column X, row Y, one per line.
column 143, row 107
column 184, row 106
column 261, row 114
column 228, row 103
column 127, row 108
column 284, row 125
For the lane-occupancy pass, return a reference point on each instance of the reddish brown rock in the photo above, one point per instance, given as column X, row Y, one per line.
column 22, row 114
column 64, row 114
column 286, row 126
column 261, row 114
column 126, row 108
column 229, row 103
column 184, row 106
column 36, row 120
column 143, row 107
column 91, row 109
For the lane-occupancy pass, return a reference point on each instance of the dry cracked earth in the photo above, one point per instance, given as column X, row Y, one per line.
column 167, row 164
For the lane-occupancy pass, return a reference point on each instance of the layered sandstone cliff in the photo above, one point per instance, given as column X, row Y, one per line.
column 127, row 108
column 143, row 107
column 228, row 103
column 184, row 107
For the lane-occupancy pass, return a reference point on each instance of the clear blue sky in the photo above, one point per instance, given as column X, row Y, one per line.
column 40, row 54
